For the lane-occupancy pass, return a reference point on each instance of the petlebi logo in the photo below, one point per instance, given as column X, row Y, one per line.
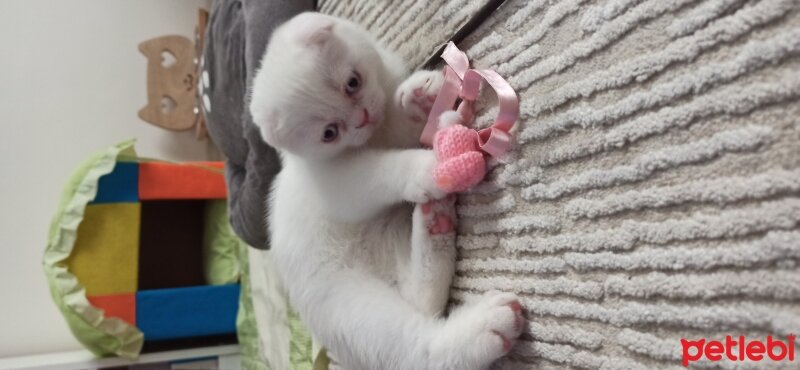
column 738, row 349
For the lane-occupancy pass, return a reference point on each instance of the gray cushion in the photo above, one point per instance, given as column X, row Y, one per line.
column 236, row 37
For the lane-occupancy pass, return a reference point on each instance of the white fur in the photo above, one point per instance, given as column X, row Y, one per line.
column 353, row 253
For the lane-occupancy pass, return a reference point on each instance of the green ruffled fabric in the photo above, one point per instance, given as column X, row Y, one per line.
column 322, row 362
column 301, row 353
column 246, row 327
column 102, row 336
column 226, row 262
column 220, row 246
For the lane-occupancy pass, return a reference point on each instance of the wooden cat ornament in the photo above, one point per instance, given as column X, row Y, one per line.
column 171, row 83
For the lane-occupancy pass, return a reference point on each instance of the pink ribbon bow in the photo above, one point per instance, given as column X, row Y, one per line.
column 462, row 82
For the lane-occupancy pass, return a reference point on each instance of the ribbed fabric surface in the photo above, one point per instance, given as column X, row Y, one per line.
column 655, row 190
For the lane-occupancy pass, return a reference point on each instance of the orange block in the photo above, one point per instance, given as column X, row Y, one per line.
column 121, row 306
column 192, row 180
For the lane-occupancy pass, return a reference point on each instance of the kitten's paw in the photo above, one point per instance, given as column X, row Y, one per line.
column 420, row 193
column 439, row 215
column 461, row 164
column 504, row 317
column 490, row 326
column 423, row 187
column 416, row 94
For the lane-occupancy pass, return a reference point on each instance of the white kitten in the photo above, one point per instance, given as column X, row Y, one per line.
column 368, row 274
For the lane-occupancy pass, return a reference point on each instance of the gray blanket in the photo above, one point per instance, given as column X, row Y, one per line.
column 236, row 37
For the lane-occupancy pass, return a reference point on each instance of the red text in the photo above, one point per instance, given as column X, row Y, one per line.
column 738, row 350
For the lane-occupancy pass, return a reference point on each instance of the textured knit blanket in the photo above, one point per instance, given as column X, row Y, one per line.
column 654, row 193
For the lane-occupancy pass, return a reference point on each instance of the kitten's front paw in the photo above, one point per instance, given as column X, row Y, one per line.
column 423, row 191
column 422, row 188
column 416, row 94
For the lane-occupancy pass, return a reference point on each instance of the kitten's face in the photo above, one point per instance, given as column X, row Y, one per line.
column 318, row 91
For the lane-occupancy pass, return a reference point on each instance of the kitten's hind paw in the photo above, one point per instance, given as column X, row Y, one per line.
column 502, row 315
column 439, row 215
column 486, row 329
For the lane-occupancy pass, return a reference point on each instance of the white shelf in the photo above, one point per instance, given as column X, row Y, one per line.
column 82, row 359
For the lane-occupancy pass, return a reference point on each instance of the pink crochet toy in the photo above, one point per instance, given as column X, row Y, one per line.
column 460, row 150
column 461, row 163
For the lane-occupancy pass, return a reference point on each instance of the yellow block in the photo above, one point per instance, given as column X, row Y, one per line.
column 105, row 258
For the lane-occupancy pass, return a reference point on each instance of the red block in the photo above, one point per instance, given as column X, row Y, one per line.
column 121, row 306
column 193, row 180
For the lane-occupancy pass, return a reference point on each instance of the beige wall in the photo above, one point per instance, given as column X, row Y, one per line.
column 71, row 82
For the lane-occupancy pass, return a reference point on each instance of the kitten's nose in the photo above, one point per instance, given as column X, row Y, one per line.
column 365, row 119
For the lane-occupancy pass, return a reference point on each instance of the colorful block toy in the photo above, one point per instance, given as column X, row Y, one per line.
column 137, row 250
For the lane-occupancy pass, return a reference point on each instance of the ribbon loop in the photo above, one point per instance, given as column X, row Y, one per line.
column 456, row 59
column 494, row 141
column 462, row 82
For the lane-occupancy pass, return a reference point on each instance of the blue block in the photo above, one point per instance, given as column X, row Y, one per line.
column 119, row 186
column 187, row 312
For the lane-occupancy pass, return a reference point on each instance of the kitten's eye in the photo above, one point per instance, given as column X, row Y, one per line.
column 353, row 84
column 331, row 133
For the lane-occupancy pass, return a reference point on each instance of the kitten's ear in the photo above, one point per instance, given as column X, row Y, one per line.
column 270, row 134
column 268, row 127
column 316, row 34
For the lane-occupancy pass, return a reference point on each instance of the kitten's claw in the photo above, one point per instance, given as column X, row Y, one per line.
column 416, row 94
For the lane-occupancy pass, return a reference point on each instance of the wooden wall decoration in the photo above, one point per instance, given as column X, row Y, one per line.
column 172, row 76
